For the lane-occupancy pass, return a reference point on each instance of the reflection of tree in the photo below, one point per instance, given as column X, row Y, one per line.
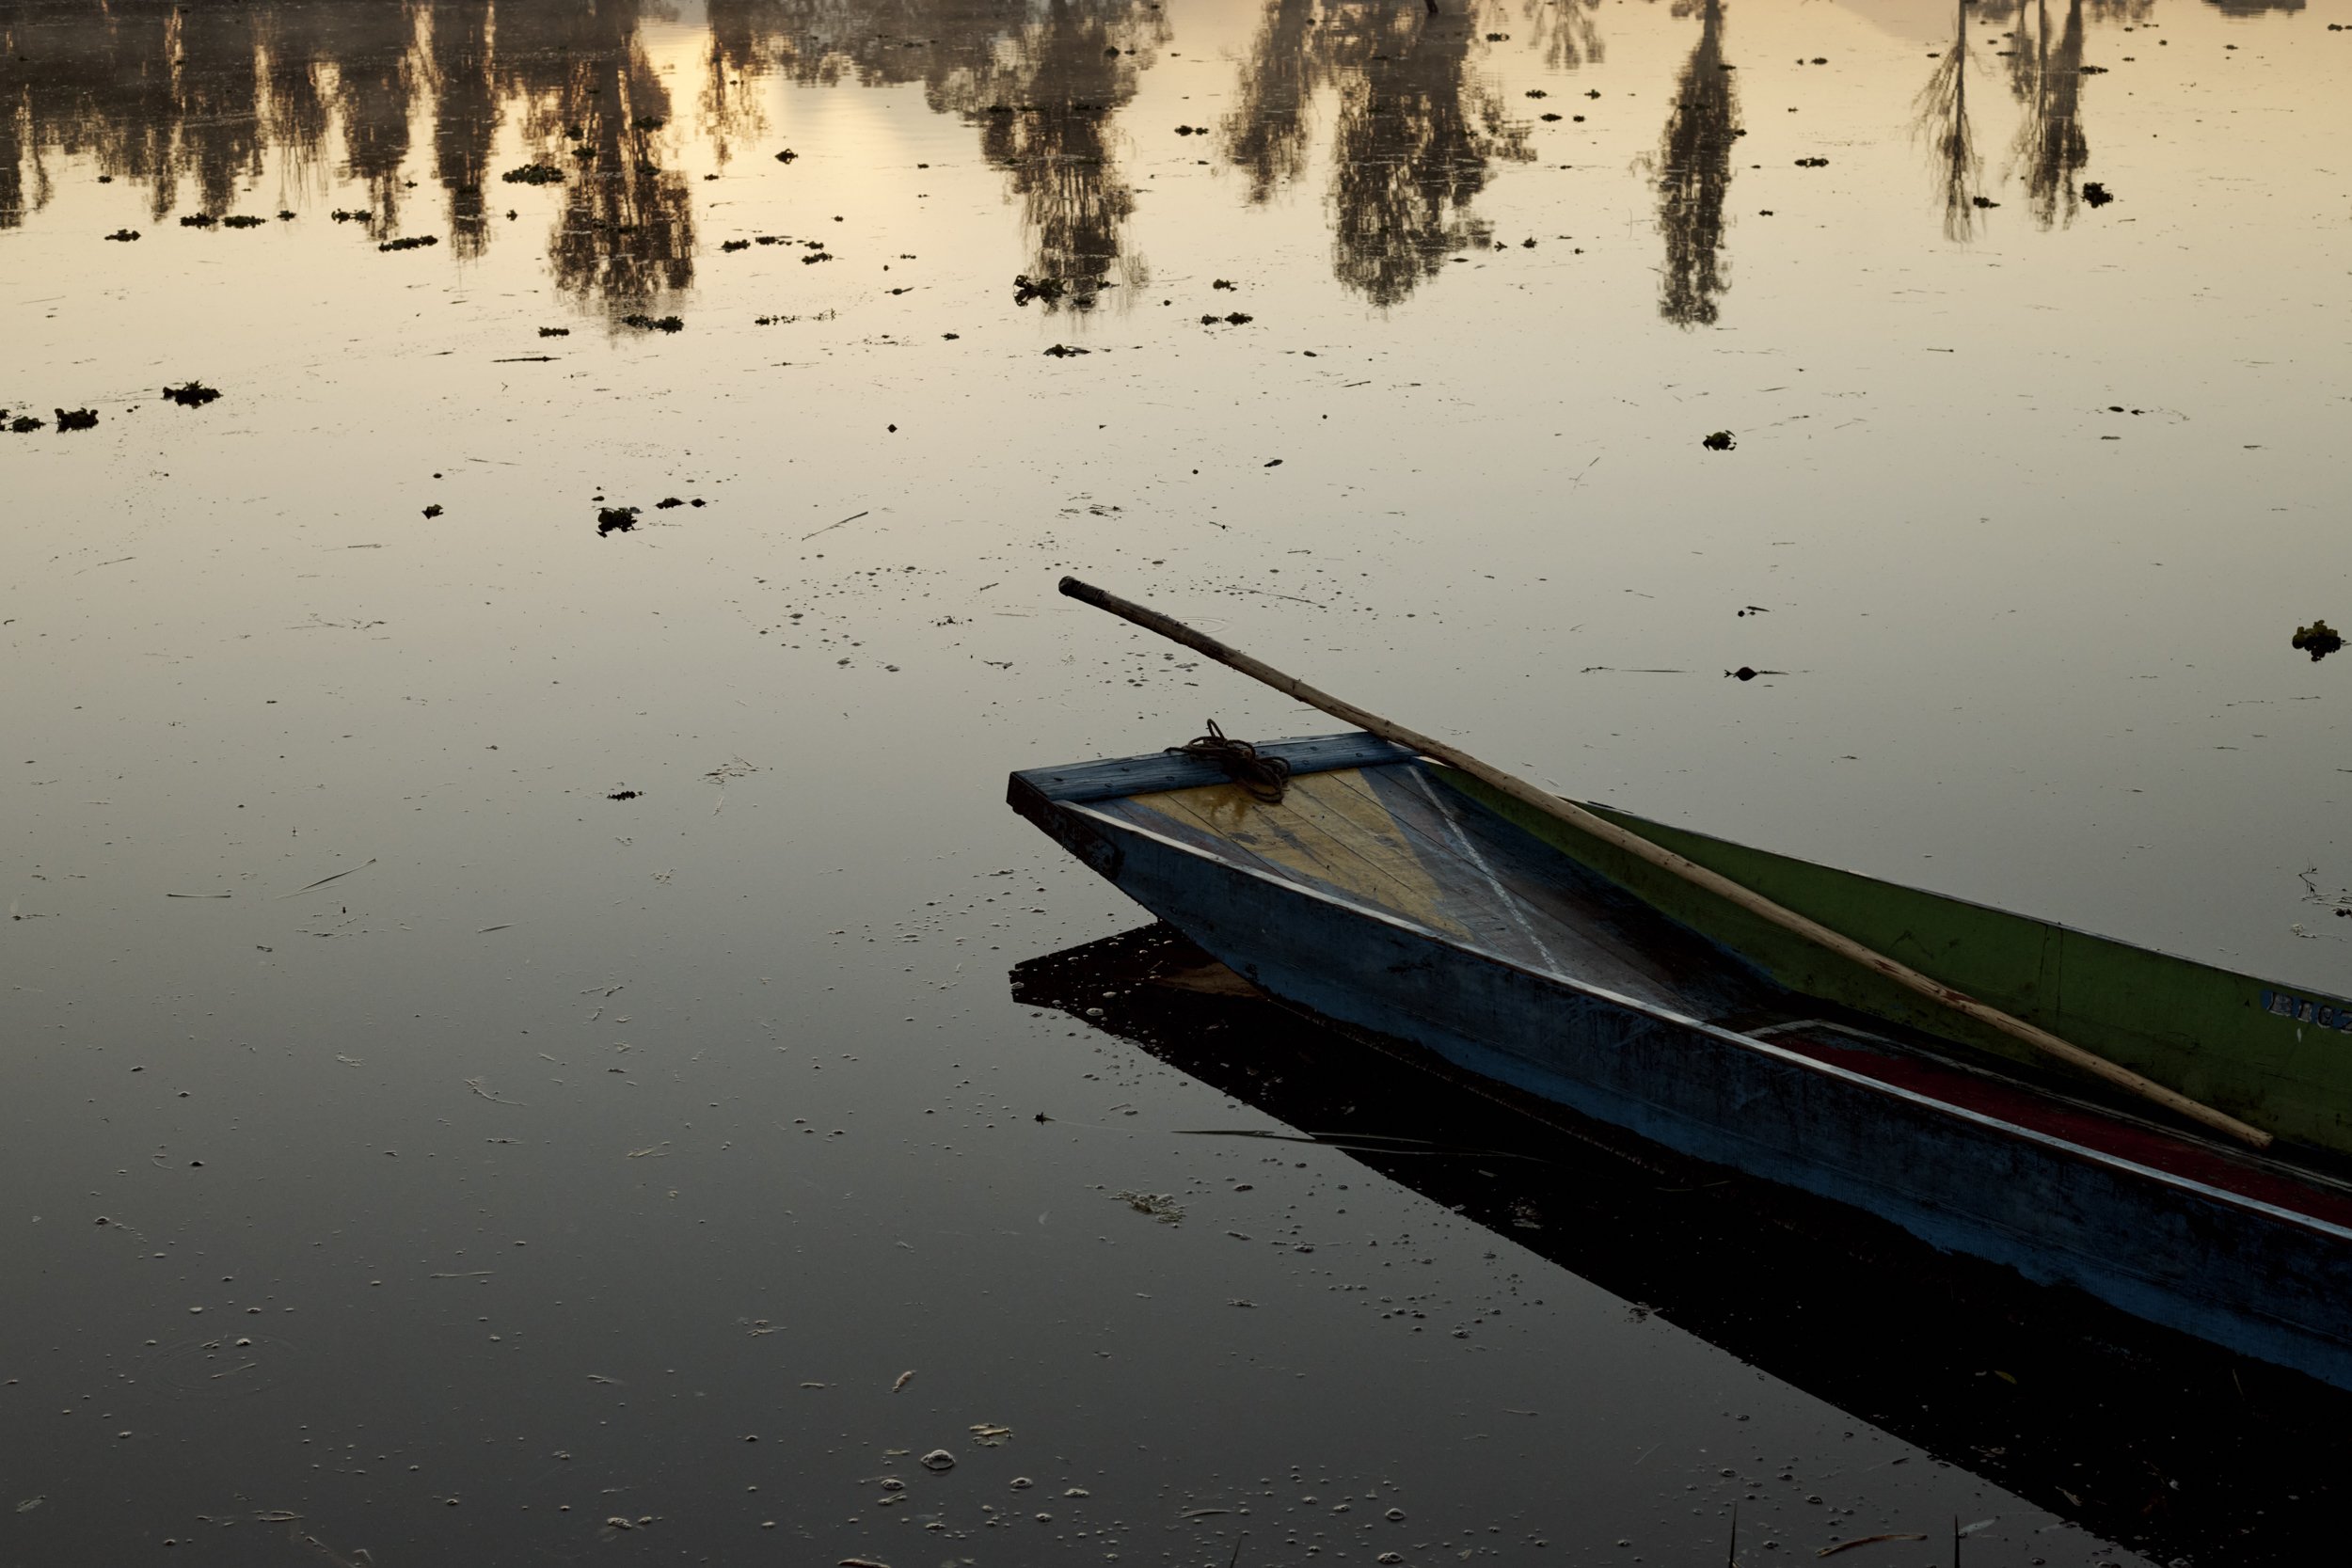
column 297, row 41
column 465, row 115
column 1568, row 32
column 1943, row 118
column 376, row 87
column 1415, row 137
column 1045, row 115
column 214, row 85
column 1695, row 176
column 1040, row 80
column 1265, row 135
column 627, row 231
column 1417, row 132
column 2051, row 147
column 745, row 36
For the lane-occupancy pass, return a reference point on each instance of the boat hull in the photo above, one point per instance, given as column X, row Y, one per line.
column 2258, row 1278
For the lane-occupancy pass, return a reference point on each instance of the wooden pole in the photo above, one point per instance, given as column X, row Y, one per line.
column 1666, row 860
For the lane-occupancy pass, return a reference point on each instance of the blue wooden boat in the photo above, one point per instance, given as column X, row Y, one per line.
column 1393, row 896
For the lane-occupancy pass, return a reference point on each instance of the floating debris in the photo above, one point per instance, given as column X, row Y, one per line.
column 1063, row 351
column 666, row 503
column 76, row 418
column 938, row 1459
column 2318, row 640
column 1026, row 289
column 242, row 220
column 433, row 511
column 533, row 174
column 555, row 332
column 362, row 215
column 615, row 519
column 655, row 323
column 1722, row 441
column 1813, row 163
column 24, row 424
column 624, row 795
column 904, row 1378
column 1160, row 1206
column 194, row 395
column 413, row 242
column 988, row 1435
column 124, row 234
column 787, row 156
column 2097, row 194
column 735, row 244
column 198, row 220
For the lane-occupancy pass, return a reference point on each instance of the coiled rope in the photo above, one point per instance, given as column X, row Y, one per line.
column 1266, row 778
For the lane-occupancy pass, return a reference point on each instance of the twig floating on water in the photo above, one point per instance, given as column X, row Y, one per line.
column 1865, row 1541
column 829, row 527
column 324, row 881
column 200, row 896
column 476, row 1085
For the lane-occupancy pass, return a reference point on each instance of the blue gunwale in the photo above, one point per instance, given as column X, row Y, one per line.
column 1165, row 770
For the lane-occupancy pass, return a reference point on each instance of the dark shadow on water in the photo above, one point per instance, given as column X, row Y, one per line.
column 2089, row 1414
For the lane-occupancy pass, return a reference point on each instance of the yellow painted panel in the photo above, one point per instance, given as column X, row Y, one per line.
column 1322, row 831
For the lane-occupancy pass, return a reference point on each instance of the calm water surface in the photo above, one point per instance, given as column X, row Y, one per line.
column 583, row 1169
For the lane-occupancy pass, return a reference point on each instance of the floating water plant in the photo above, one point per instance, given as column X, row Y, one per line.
column 2318, row 640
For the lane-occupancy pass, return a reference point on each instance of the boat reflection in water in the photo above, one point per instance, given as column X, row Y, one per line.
column 2041, row 1390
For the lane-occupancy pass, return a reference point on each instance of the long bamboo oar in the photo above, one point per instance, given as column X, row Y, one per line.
column 1666, row 860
